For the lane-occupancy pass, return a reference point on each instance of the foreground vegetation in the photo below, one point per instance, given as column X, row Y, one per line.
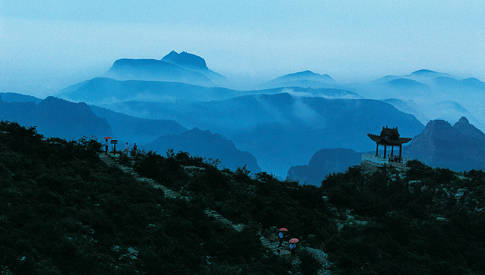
column 64, row 211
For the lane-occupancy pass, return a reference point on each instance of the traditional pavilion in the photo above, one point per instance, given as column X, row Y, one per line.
column 389, row 137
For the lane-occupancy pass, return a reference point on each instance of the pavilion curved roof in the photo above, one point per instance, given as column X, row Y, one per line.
column 389, row 136
column 387, row 140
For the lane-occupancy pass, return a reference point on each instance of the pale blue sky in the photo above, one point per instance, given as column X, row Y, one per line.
column 50, row 43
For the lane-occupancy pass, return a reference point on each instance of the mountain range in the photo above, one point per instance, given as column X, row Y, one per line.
column 55, row 117
column 280, row 126
column 282, row 129
column 107, row 90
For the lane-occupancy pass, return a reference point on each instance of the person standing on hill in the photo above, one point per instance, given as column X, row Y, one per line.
column 281, row 235
column 293, row 243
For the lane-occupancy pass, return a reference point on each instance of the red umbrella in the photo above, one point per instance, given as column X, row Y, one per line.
column 107, row 137
column 294, row 240
column 284, row 229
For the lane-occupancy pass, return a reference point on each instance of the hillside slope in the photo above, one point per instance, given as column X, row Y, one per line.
column 65, row 210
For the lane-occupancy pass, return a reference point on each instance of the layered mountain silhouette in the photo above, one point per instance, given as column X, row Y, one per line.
column 15, row 97
column 55, row 117
column 107, row 90
column 207, row 145
column 323, row 163
column 425, row 111
column 306, row 78
column 432, row 80
column 283, row 129
column 136, row 129
column 458, row 147
column 177, row 67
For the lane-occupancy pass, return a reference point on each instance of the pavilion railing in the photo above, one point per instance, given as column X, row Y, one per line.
column 380, row 160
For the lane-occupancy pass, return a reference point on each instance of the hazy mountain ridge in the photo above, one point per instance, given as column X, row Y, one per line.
column 208, row 145
column 280, row 129
column 305, row 79
column 16, row 97
column 428, row 90
column 56, row 118
column 426, row 111
column 60, row 118
column 134, row 129
column 107, row 90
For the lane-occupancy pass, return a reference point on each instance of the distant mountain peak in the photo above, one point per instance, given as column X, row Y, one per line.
column 462, row 121
column 428, row 73
column 423, row 71
column 185, row 59
column 466, row 128
column 438, row 123
column 305, row 74
column 436, row 127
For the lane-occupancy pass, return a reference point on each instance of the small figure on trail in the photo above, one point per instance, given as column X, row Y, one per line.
column 293, row 243
column 281, row 235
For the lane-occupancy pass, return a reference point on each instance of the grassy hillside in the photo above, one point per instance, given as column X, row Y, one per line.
column 65, row 211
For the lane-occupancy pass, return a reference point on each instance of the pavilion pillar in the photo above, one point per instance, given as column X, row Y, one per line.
column 400, row 152
column 392, row 151
column 377, row 149
column 385, row 151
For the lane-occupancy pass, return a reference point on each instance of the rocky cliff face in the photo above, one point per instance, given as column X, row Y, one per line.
column 458, row 147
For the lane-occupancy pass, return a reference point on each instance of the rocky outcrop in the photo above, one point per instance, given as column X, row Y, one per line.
column 458, row 147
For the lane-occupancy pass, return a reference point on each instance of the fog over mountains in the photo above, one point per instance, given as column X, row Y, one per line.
column 178, row 102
